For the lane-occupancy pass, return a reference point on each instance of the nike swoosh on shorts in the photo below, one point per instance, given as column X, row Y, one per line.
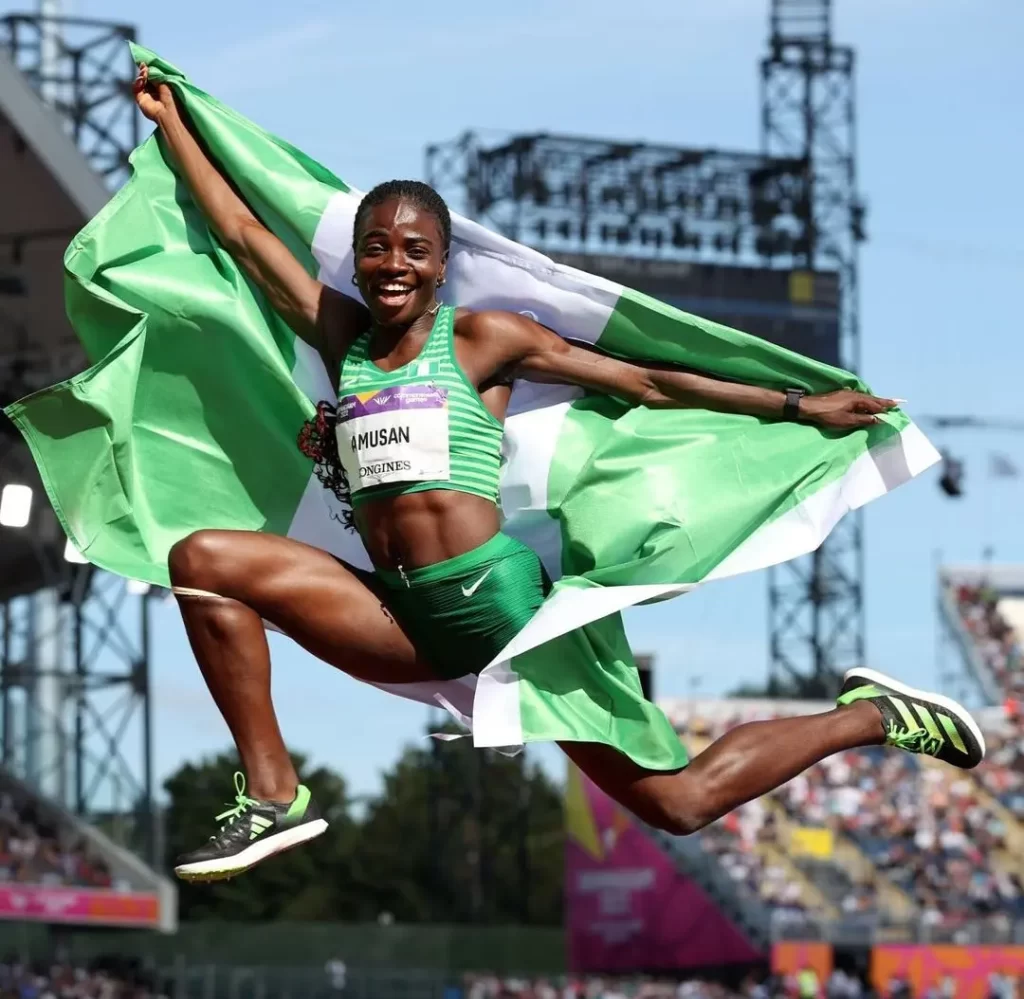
column 468, row 591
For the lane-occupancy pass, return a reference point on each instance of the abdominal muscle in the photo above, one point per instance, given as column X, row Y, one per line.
column 424, row 528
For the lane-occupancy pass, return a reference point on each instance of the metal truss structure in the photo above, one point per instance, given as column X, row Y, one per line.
column 82, row 67
column 793, row 206
column 816, row 604
column 75, row 712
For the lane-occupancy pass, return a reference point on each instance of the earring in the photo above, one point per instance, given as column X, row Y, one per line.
column 355, row 279
column 440, row 283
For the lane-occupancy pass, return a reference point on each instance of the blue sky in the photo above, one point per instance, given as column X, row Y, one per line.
column 939, row 84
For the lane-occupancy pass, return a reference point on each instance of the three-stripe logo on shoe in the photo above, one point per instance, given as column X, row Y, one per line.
column 258, row 826
column 916, row 721
column 925, row 721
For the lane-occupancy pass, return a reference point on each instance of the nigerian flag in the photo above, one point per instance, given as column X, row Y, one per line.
column 190, row 414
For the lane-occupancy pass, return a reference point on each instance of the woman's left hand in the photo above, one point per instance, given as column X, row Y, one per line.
column 844, row 409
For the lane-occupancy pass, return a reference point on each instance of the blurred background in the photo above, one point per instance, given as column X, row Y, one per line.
column 839, row 176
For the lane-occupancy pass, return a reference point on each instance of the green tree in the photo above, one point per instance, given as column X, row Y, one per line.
column 456, row 835
column 461, row 835
column 307, row 883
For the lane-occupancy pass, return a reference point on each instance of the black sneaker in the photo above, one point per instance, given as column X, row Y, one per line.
column 253, row 830
column 919, row 722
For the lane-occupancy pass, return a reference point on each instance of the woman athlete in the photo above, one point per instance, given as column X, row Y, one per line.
column 449, row 590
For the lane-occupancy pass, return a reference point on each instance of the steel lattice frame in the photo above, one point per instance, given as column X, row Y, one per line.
column 816, row 604
column 791, row 206
column 87, row 742
column 75, row 711
column 88, row 79
column 570, row 194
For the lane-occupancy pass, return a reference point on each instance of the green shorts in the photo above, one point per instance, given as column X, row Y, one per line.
column 462, row 612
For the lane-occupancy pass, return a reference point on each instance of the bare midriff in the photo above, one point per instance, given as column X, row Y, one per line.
column 418, row 529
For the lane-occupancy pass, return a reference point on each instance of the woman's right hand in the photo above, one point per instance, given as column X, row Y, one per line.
column 154, row 99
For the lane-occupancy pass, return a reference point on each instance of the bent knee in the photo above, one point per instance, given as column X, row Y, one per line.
column 201, row 560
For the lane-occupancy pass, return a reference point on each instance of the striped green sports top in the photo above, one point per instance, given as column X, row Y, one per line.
column 422, row 426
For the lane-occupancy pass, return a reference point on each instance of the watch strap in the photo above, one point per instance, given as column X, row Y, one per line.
column 791, row 409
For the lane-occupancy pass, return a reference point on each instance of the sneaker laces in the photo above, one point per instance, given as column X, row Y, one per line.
column 913, row 740
column 242, row 804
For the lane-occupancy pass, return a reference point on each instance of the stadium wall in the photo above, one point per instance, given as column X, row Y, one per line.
column 505, row 950
column 926, row 967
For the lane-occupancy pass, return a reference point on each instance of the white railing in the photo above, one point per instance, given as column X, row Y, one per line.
column 869, row 930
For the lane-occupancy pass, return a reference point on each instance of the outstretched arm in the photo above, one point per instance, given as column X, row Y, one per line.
column 296, row 296
column 536, row 354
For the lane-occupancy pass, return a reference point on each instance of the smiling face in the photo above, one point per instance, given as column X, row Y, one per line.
column 400, row 257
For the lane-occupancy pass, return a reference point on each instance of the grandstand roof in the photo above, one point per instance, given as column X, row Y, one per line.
column 48, row 192
column 1005, row 578
column 41, row 129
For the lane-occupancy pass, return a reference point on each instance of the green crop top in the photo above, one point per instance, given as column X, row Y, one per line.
column 422, row 426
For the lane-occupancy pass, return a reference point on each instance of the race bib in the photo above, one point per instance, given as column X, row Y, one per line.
column 394, row 435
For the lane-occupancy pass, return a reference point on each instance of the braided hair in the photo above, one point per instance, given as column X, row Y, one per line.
column 317, row 441
column 423, row 196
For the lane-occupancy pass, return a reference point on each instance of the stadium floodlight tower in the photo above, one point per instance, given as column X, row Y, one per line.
column 816, row 604
column 74, row 641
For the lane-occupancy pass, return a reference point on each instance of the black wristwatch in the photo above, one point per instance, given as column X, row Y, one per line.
column 791, row 409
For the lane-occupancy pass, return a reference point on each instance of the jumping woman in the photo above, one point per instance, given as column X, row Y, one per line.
column 422, row 393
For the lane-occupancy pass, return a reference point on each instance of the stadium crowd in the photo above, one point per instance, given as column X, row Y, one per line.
column 805, row 985
column 994, row 637
column 492, row 987
column 930, row 830
column 1000, row 648
column 738, row 841
column 66, row 981
column 926, row 828
column 35, row 848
